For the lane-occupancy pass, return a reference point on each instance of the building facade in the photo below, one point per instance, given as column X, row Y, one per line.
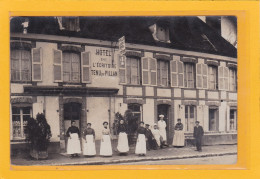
column 73, row 77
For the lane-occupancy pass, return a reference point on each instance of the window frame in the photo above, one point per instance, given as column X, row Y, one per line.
column 189, row 117
column 193, row 73
column 79, row 67
column 234, row 70
column 216, row 110
column 160, row 70
column 216, row 77
column 139, row 70
column 235, row 119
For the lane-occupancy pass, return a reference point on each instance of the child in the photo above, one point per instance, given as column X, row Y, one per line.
column 106, row 147
column 156, row 134
column 122, row 146
column 140, row 148
column 73, row 147
column 89, row 145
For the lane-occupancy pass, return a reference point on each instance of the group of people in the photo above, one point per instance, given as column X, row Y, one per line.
column 147, row 138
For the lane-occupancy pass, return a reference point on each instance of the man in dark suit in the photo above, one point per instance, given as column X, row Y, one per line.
column 197, row 134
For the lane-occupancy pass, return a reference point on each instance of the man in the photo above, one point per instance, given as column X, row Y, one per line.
column 162, row 129
column 197, row 134
column 150, row 142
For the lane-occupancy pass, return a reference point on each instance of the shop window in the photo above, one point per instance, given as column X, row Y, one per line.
column 232, row 79
column 189, row 76
column 190, row 117
column 162, row 72
column 212, row 75
column 133, row 70
column 20, row 117
column 213, row 119
column 71, row 67
column 233, row 119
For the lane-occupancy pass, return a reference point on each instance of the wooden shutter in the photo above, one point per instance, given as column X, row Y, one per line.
column 57, row 65
column 153, row 71
column 180, row 74
column 122, row 69
column 37, row 64
column 226, row 81
column 145, row 71
column 221, row 78
column 205, row 76
column 174, row 73
column 85, row 67
column 199, row 75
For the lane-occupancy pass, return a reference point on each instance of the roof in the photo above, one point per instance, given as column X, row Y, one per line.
column 186, row 32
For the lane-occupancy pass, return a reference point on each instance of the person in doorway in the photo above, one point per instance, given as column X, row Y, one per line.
column 197, row 134
column 178, row 139
column 140, row 147
column 162, row 129
column 157, row 135
column 122, row 146
column 73, row 134
column 105, row 146
column 150, row 141
column 89, row 145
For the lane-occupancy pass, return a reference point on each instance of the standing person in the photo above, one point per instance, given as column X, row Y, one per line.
column 105, row 146
column 140, row 147
column 197, row 134
column 150, row 142
column 89, row 145
column 157, row 135
column 73, row 134
column 178, row 139
column 122, row 146
column 162, row 129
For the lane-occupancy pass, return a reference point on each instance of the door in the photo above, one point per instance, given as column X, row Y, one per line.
column 190, row 118
column 213, row 120
column 164, row 109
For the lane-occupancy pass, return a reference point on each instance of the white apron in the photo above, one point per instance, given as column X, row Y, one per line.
column 162, row 129
column 73, row 146
column 157, row 135
column 140, row 144
column 89, row 146
column 105, row 146
column 122, row 146
column 178, row 139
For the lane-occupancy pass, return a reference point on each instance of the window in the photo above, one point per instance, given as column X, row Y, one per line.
column 189, row 75
column 202, row 76
column 233, row 79
column 212, row 82
column 137, row 116
column 20, row 117
column 69, row 23
column 162, row 72
column 160, row 32
column 213, row 119
column 133, row 70
column 71, row 67
column 190, row 118
column 233, row 119
column 20, row 65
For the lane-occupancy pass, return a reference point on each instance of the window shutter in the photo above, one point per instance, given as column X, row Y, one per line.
column 85, row 67
column 205, row 76
column 220, row 78
column 174, row 73
column 199, row 75
column 37, row 64
column 57, row 65
column 145, row 71
column 153, row 72
column 122, row 69
column 180, row 74
column 226, row 85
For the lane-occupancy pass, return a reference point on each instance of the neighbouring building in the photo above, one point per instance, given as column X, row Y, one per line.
column 70, row 69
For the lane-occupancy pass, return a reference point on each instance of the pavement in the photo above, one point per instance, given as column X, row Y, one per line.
column 169, row 153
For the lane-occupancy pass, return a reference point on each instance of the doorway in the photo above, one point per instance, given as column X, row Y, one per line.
column 213, row 119
column 164, row 109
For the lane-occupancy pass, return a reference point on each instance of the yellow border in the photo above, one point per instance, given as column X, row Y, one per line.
column 248, row 85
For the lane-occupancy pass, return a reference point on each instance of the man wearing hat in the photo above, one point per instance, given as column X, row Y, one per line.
column 197, row 134
column 162, row 129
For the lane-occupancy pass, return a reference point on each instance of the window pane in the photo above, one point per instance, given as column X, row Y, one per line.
column 186, row 112
column 191, row 111
column 26, row 110
column 15, row 110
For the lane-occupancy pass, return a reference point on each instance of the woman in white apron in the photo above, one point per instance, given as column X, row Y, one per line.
column 73, row 134
column 89, row 144
column 140, row 148
column 178, row 139
column 157, row 135
column 162, row 129
column 122, row 146
column 105, row 146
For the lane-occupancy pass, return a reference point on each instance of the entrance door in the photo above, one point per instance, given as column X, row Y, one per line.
column 213, row 121
column 72, row 111
column 190, row 118
column 164, row 109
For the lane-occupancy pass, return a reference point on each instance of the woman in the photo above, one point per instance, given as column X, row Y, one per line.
column 122, row 146
column 106, row 147
column 73, row 147
column 140, row 148
column 178, row 139
column 89, row 145
column 157, row 135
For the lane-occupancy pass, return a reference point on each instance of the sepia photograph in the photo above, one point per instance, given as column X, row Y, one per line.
column 123, row 90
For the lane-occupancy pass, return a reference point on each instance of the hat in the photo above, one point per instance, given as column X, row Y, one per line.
column 197, row 122
column 105, row 122
column 161, row 115
column 147, row 124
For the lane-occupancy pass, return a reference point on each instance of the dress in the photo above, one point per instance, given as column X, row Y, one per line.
column 151, row 142
column 122, row 146
column 178, row 139
column 89, row 144
column 162, row 129
column 73, row 135
column 141, row 142
column 157, row 135
column 105, row 146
